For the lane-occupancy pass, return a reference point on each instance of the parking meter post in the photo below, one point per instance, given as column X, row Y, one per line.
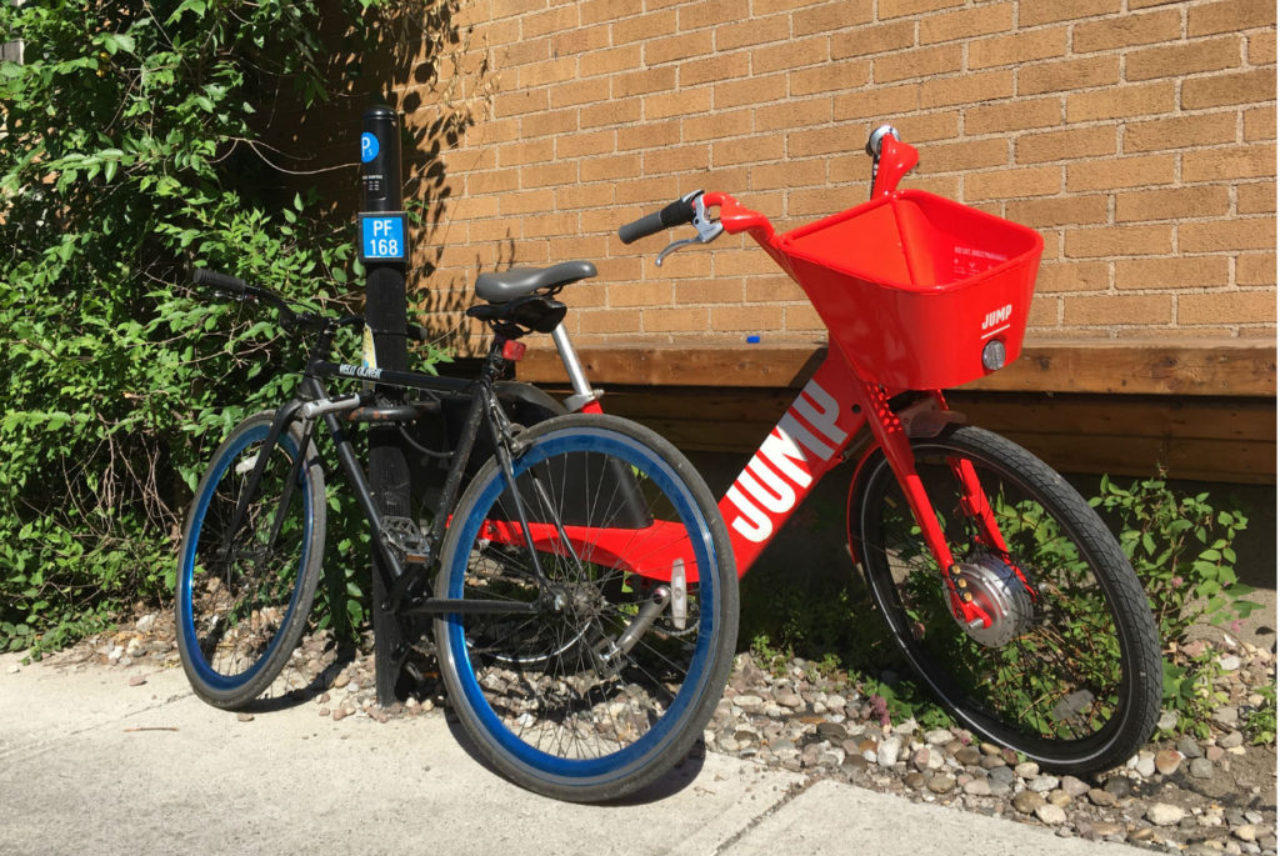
column 383, row 249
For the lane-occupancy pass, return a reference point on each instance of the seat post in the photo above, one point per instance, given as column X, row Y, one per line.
column 583, row 394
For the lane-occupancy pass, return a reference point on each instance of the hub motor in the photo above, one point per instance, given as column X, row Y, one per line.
column 1001, row 594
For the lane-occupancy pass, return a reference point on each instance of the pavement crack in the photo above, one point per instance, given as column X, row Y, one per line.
column 791, row 794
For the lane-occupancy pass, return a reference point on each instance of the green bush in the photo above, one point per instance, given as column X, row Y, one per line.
column 131, row 140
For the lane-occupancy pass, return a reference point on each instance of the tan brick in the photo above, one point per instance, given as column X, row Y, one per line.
column 966, row 23
column 1072, row 144
column 585, row 144
column 754, row 90
column 887, row 9
column 1013, row 116
column 790, row 54
column 542, row 225
column 747, row 33
column 656, row 134
column 773, row 289
column 878, row 38
column 1111, row 173
column 1252, row 233
column 793, row 114
column 1013, row 183
column 610, row 113
column 924, row 128
column 606, row 168
column 515, row 154
column 829, row 17
column 1073, row 276
column 1118, row 309
column 1172, row 273
column 497, row 181
column 752, row 150
column 1226, row 89
column 716, row 290
column 609, row 61
column 658, row 292
column 1260, row 124
column 811, row 204
column 1126, row 31
column 1256, row 269
column 1068, row 74
column 1018, row 48
column 505, row 8
column 1219, row 164
column 746, row 319
column 555, row 20
column 918, row 63
column 577, row 92
column 1032, row 13
column 1256, row 198
column 576, row 196
column 1172, row 203
column 834, row 76
column 675, row 320
column 716, row 126
column 607, row 321
column 877, row 103
column 1059, row 211
column 582, row 39
column 802, row 317
column 708, row 13
column 822, row 141
column 1119, row 241
column 527, row 201
column 638, row 28
column 679, row 48
column 966, row 89
column 1262, row 48
column 520, row 53
column 625, row 85
column 1180, row 132
column 1178, row 60
column 519, row 103
column 1227, row 307
column 1045, row 311
column 679, row 103
column 964, row 155
column 1230, row 16
column 545, row 175
column 1120, row 102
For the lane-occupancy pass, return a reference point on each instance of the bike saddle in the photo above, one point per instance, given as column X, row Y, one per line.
column 517, row 282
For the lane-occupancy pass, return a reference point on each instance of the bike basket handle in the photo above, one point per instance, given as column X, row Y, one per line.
column 224, row 281
column 677, row 213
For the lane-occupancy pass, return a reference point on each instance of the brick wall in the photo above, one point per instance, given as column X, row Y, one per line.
column 1137, row 136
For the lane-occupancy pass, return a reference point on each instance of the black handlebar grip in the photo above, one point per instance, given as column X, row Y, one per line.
column 226, row 282
column 677, row 213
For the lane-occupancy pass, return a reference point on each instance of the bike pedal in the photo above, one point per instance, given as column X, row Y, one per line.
column 405, row 536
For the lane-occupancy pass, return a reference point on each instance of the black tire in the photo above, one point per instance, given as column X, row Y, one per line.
column 544, row 696
column 241, row 613
column 1070, row 673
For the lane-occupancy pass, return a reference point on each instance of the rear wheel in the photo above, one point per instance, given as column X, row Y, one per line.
column 1069, row 670
column 609, row 677
column 244, row 591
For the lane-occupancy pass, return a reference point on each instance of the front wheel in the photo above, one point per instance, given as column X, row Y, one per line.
column 1068, row 672
column 249, row 563
column 609, row 674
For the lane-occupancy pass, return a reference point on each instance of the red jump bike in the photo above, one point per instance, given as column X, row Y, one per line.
column 1001, row 586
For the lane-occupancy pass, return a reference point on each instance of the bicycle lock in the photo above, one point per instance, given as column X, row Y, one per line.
column 384, row 250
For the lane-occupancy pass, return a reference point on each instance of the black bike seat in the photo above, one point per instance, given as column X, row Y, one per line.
column 517, row 282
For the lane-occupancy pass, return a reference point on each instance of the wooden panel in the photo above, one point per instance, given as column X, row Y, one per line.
column 1228, row 368
column 1207, row 439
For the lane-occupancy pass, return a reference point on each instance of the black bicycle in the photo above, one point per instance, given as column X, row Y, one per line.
column 585, row 596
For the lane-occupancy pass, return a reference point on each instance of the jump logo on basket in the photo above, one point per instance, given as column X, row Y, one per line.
column 999, row 316
column 764, row 494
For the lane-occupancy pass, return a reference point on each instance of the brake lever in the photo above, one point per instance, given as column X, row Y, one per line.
column 708, row 231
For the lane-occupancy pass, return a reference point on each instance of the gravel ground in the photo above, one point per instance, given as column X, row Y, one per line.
column 1181, row 795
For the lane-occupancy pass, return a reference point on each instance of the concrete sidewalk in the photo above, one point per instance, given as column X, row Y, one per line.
column 92, row 764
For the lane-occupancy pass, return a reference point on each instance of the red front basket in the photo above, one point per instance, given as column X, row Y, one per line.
column 913, row 286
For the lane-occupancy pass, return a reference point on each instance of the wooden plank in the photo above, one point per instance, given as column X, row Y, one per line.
column 1236, row 368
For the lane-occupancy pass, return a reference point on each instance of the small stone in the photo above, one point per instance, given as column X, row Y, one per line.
column 1232, row 740
column 990, row 762
column 939, row 737
column 749, row 703
column 324, row 712
column 921, row 757
column 1190, row 748
column 789, row 699
column 978, row 788
column 1167, row 761
column 833, row 731
column 969, row 756
column 1118, row 786
column 1101, row 798
column 244, row 717
column 1168, row 720
column 341, row 714
column 942, row 784
column 989, row 748
column 1027, row 769
column 1247, row 832
column 887, row 754
column 1214, row 754
column 1042, row 784
column 146, row 623
column 14, row 669
column 1051, row 815
column 1010, row 757
column 1163, row 814
column 916, row 781
column 1146, row 765
column 1060, row 798
column 1201, row 768
column 137, row 680
column 1108, row 829
column 1074, row 787
column 1001, row 776
column 1229, row 662
column 1226, row 716
column 1028, row 801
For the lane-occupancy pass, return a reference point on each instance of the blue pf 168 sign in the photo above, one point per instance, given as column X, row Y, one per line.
column 382, row 238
